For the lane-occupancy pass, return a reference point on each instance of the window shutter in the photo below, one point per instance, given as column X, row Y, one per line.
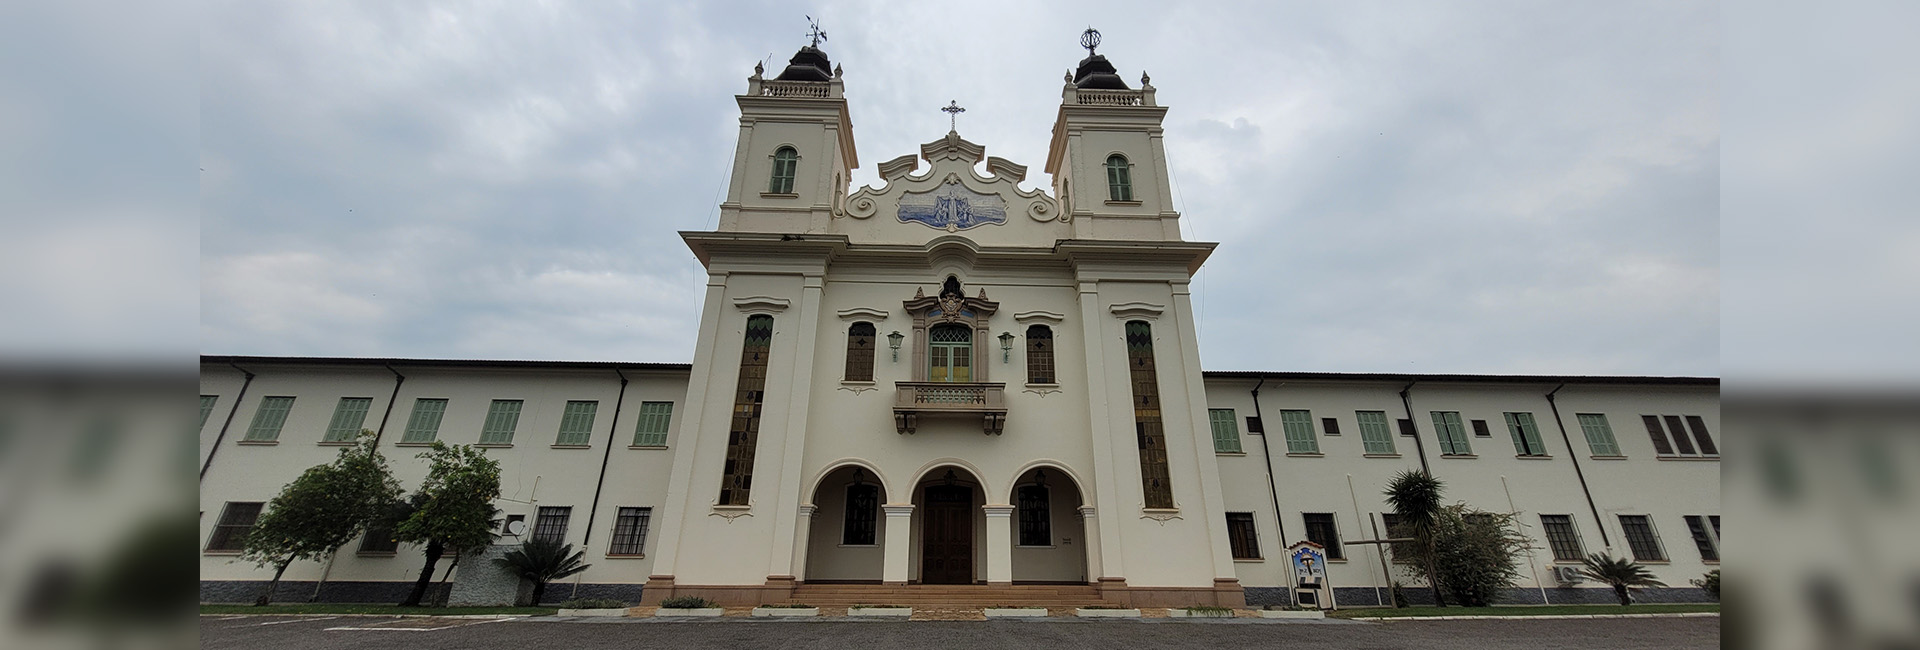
column 424, row 423
column 1699, row 427
column 1659, row 437
column 1298, row 426
column 1226, row 432
column 503, row 417
column 655, row 418
column 1599, row 434
column 269, row 418
column 576, row 424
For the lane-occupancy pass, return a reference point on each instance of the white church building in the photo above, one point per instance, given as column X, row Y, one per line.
column 954, row 388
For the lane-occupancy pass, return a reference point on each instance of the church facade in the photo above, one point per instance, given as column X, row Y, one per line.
column 950, row 380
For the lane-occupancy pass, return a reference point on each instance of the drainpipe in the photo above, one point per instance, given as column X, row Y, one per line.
column 1279, row 520
column 229, row 422
column 613, row 431
column 1575, row 457
column 1419, row 446
column 397, row 380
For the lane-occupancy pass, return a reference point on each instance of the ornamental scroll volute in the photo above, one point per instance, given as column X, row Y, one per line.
column 951, row 305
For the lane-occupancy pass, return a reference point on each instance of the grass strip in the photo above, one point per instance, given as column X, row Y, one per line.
column 338, row 608
column 1526, row 610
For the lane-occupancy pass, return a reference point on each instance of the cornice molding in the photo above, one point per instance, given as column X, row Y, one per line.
column 863, row 312
column 768, row 304
column 1039, row 316
column 1136, row 309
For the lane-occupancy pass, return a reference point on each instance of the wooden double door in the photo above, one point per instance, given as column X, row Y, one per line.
column 946, row 535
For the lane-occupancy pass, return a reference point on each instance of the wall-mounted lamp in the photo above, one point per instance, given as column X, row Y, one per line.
column 1006, row 347
column 893, row 341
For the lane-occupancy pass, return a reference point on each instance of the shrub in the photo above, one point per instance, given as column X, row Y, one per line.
column 593, row 603
column 1710, row 583
column 879, row 607
column 787, row 606
column 1475, row 554
column 1209, row 610
column 688, row 602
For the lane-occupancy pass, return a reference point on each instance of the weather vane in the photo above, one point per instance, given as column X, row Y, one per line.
column 1090, row 39
column 815, row 34
column 953, row 111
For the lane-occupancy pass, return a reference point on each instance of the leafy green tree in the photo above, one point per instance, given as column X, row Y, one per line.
column 542, row 561
column 1622, row 573
column 1476, row 553
column 322, row 509
column 1415, row 499
column 453, row 510
column 1709, row 582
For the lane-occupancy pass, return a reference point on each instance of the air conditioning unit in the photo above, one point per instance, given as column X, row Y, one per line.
column 1567, row 575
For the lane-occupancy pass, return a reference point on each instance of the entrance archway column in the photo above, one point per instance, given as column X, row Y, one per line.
column 899, row 534
column 800, row 539
column 1090, row 536
column 999, row 544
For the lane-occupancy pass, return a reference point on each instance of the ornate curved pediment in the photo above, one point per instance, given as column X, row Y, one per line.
column 950, row 195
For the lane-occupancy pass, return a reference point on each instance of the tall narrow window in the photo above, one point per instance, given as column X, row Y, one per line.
column 1705, row 539
column 1375, row 438
column 1526, row 436
column 236, row 520
column 206, row 407
column 552, row 524
column 1298, row 426
column 576, row 423
column 1040, row 355
column 950, row 353
column 1036, row 516
column 1562, row 538
column 1119, row 178
column 860, row 352
column 424, row 424
column 1659, row 435
column 736, row 477
column 655, row 419
column 348, row 416
column 1403, row 552
column 1680, row 440
column 503, row 417
column 1146, row 416
column 1321, row 530
column 863, row 507
column 1641, row 539
column 380, row 539
column 1699, row 428
column 1599, row 434
column 785, row 162
column 269, row 418
column 630, row 531
column 1674, row 439
column 1453, row 436
column 1241, row 536
column 1226, row 431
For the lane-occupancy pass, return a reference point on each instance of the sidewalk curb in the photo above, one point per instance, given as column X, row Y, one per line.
column 1542, row 616
column 381, row 615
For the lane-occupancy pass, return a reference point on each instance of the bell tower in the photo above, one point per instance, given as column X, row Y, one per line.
column 1108, row 161
column 794, row 159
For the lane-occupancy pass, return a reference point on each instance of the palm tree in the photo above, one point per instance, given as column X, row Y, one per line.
column 542, row 561
column 1415, row 498
column 1621, row 573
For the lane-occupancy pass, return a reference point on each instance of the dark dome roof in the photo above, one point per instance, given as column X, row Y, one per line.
column 1096, row 73
column 810, row 64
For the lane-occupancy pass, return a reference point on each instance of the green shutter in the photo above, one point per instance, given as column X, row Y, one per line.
column 502, row 418
column 206, row 408
column 1299, row 428
column 576, row 424
column 1226, row 431
column 652, row 428
column 1374, row 434
column 268, row 420
column 1526, row 437
column 1599, row 434
column 424, row 424
column 1453, row 435
column 348, row 417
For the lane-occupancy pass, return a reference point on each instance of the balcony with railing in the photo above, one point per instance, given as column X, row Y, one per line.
column 913, row 399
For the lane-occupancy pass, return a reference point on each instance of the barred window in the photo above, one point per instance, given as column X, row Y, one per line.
column 236, row 520
column 503, row 417
column 786, row 162
column 630, row 531
column 552, row 524
column 268, row 419
column 1036, row 516
column 1642, row 539
column 1298, row 426
column 655, row 419
column 1375, row 438
column 1562, row 538
column 1146, row 416
column 862, row 518
column 1321, row 530
column 860, row 339
column 1242, row 537
column 743, row 434
column 348, row 416
column 1040, row 355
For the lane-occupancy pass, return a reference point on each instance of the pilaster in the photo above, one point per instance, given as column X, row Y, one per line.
column 999, row 544
column 899, row 534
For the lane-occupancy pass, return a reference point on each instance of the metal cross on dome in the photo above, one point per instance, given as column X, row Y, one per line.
column 1090, row 39
column 953, row 111
column 815, row 33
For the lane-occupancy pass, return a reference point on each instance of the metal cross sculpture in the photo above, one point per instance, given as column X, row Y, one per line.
column 1090, row 39
column 953, row 111
column 815, row 34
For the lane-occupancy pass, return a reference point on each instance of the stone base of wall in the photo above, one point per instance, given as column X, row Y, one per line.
column 243, row 592
column 1422, row 596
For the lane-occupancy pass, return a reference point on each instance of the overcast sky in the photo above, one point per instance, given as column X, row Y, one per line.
column 1399, row 187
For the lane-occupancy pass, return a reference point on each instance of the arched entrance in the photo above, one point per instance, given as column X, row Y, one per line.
column 847, row 539
column 1049, row 533
column 950, row 528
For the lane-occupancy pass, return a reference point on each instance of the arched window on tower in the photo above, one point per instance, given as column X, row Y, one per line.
column 1040, row 355
column 785, row 162
column 860, row 352
column 1119, row 178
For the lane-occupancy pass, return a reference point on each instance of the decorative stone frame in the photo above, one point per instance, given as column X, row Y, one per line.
column 929, row 311
column 772, row 158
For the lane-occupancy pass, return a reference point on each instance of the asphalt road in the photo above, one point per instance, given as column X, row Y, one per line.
column 377, row 633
